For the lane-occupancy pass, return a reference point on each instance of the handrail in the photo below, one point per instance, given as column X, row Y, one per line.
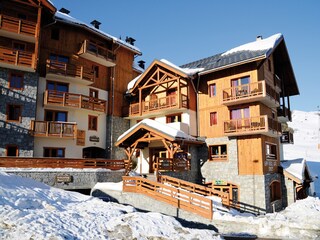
column 69, row 69
column 171, row 164
column 74, row 100
column 170, row 101
column 54, row 129
column 196, row 188
column 177, row 197
column 26, row 162
column 251, row 124
column 17, row 57
column 95, row 49
column 17, row 25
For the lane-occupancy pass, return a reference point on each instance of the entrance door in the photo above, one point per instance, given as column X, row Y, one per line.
column 154, row 154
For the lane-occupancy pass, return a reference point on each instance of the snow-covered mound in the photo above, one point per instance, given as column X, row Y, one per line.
column 306, row 140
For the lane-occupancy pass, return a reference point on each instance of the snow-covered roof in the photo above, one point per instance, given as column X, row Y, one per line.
column 258, row 45
column 158, row 127
column 69, row 19
column 296, row 168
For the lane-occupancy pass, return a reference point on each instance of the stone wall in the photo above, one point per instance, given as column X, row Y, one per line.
column 80, row 179
column 115, row 127
column 17, row 133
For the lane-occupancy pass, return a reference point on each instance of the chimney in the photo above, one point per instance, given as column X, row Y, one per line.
column 259, row 38
column 63, row 10
column 130, row 40
column 141, row 64
column 95, row 23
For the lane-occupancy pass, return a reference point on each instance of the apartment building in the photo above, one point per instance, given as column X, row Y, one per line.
column 231, row 106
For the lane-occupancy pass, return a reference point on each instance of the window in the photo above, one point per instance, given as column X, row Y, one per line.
column 93, row 93
column 55, row 116
column 19, row 46
column 57, row 86
column 53, row 152
column 212, row 90
column 16, row 81
column 95, row 70
column 13, row 112
column 12, row 151
column 173, row 118
column 240, row 113
column 240, row 81
column 59, row 58
column 93, row 123
column 271, row 151
column 92, row 47
column 275, row 191
column 218, row 152
column 213, row 118
column 55, row 33
column 240, row 86
column 22, row 16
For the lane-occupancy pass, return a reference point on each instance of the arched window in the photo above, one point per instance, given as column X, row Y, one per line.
column 275, row 191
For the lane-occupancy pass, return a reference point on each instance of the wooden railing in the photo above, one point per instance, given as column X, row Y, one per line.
column 25, row 162
column 17, row 25
column 18, row 58
column 53, row 129
column 66, row 99
column 250, row 90
column 159, row 104
column 97, row 50
column 252, row 124
column 176, row 197
column 196, row 188
column 70, row 70
column 171, row 164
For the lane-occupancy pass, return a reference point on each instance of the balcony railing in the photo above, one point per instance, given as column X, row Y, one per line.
column 70, row 70
column 17, row 58
column 73, row 100
column 256, row 91
column 96, row 53
column 159, row 104
column 53, row 129
column 17, row 26
column 252, row 125
column 171, row 164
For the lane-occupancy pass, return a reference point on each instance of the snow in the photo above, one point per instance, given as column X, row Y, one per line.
column 133, row 82
column 263, row 44
column 306, row 139
column 188, row 71
column 164, row 128
column 295, row 167
column 32, row 210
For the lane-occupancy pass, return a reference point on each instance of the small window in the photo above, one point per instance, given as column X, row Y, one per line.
column 12, row 151
column 54, row 152
column 95, row 70
column 55, row 33
column 275, row 191
column 218, row 152
column 93, row 123
column 16, row 81
column 213, row 118
column 93, row 93
column 271, row 151
column 174, row 118
column 59, row 58
column 212, row 90
column 14, row 113
column 22, row 16
column 19, row 46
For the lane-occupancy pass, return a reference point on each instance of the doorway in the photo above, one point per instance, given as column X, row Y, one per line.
column 154, row 153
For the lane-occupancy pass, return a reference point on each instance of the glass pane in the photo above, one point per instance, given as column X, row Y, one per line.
column 60, row 153
column 49, row 116
column 50, row 86
column 62, row 88
column 61, row 116
column 246, row 113
column 245, row 80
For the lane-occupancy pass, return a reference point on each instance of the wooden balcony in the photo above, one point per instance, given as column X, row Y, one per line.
column 253, row 125
column 16, row 28
column 69, row 72
column 18, row 60
column 72, row 100
column 53, row 129
column 166, row 104
column 284, row 114
column 252, row 92
column 96, row 53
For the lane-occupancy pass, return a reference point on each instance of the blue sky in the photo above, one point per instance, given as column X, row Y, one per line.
column 182, row 31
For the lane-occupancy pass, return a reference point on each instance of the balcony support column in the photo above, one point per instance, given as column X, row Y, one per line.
column 140, row 102
column 179, row 94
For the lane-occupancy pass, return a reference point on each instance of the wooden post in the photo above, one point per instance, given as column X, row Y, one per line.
column 140, row 102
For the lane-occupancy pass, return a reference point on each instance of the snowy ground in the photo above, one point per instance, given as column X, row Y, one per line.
column 306, row 139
